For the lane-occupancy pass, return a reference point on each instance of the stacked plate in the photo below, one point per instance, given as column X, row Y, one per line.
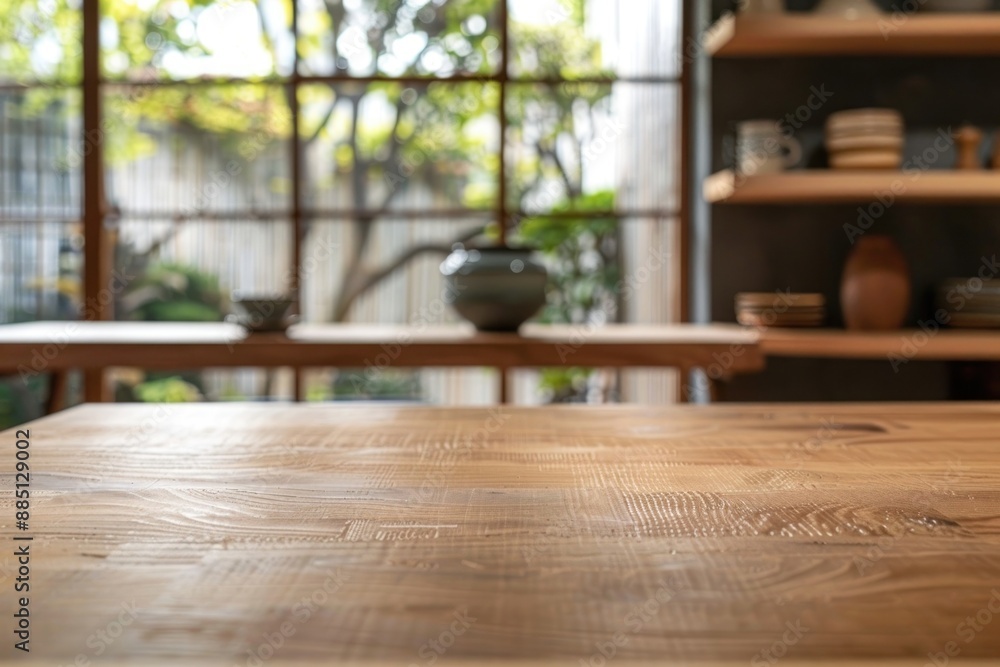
column 780, row 309
column 865, row 139
column 970, row 303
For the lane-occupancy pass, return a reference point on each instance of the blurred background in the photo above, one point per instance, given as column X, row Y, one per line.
column 421, row 124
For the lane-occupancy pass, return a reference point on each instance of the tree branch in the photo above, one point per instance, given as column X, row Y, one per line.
column 377, row 276
column 572, row 191
column 326, row 119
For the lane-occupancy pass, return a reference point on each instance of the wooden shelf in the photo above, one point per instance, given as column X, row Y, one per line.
column 823, row 186
column 974, row 34
column 48, row 346
column 945, row 345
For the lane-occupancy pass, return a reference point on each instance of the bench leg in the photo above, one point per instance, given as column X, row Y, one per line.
column 58, row 381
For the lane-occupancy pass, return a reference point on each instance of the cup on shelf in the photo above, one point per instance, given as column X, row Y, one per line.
column 762, row 148
column 260, row 312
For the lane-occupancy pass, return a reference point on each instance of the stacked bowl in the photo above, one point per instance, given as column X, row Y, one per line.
column 970, row 303
column 865, row 139
column 780, row 309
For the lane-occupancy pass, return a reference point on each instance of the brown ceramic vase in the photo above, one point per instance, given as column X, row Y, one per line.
column 875, row 288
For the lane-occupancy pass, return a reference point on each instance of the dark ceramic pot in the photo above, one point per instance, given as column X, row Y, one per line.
column 497, row 289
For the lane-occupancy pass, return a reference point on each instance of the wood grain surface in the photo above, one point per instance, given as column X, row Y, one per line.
column 175, row 345
column 383, row 535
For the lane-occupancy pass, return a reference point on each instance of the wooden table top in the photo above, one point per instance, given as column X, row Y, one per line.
column 172, row 345
column 364, row 535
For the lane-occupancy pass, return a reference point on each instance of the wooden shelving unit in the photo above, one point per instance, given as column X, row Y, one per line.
column 915, row 344
column 820, row 186
column 808, row 34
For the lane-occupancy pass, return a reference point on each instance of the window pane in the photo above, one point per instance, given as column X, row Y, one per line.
column 40, row 270
column 610, row 270
column 400, row 147
column 186, row 271
column 592, row 147
column 41, row 41
column 188, row 39
column 134, row 385
column 434, row 386
column 414, row 294
column 582, row 257
column 195, row 151
column 40, row 154
column 435, row 38
column 556, row 39
column 40, row 206
column 345, row 269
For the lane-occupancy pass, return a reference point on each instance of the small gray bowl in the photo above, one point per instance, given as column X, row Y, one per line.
column 262, row 312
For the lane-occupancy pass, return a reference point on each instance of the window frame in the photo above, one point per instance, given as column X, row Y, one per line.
column 97, row 253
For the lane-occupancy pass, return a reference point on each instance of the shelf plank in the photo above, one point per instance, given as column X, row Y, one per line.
column 807, row 34
column 889, row 346
column 49, row 346
column 822, row 186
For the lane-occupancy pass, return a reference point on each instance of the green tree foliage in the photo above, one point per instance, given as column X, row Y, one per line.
column 384, row 136
column 173, row 293
column 41, row 41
